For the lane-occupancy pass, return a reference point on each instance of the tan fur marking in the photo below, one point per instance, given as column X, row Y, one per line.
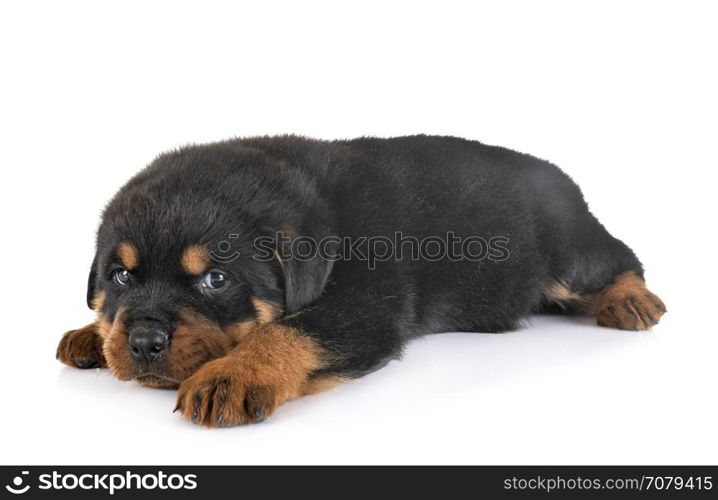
column 628, row 305
column 196, row 260
column 241, row 329
column 115, row 348
column 98, row 301
column 561, row 294
column 625, row 283
column 321, row 384
column 128, row 255
column 269, row 367
column 103, row 326
column 266, row 311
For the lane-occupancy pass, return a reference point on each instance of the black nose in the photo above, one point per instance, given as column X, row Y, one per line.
column 147, row 345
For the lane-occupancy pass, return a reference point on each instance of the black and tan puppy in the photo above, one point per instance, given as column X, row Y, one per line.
column 253, row 271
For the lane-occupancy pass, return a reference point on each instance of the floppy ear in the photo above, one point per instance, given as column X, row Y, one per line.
column 92, row 283
column 304, row 279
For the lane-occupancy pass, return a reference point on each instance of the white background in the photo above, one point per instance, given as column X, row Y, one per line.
column 622, row 95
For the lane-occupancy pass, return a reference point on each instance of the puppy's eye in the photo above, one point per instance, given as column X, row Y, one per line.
column 214, row 279
column 122, row 276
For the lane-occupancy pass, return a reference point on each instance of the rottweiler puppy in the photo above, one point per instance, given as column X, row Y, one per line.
column 253, row 271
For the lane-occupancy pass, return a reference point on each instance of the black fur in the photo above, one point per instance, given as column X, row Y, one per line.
column 421, row 186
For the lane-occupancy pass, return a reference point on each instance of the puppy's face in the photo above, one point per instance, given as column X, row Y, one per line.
column 176, row 280
column 163, row 313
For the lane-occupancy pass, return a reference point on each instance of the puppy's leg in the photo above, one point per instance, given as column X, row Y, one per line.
column 305, row 353
column 269, row 367
column 82, row 348
column 590, row 270
column 596, row 273
column 625, row 303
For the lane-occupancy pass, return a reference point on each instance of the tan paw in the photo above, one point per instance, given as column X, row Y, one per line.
column 629, row 305
column 81, row 348
column 269, row 367
column 226, row 392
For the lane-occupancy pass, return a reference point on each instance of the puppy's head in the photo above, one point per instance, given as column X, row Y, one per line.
column 179, row 278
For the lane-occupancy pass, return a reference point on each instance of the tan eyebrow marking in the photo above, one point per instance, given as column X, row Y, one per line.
column 128, row 255
column 195, row 259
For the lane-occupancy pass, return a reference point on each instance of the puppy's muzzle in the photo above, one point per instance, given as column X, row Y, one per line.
column 147, row 344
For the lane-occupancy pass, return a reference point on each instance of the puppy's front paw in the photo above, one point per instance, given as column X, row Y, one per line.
column 82, row 348
column 228, row 391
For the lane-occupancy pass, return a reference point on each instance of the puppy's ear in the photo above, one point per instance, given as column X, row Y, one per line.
column 92, row 283
column 304, row 277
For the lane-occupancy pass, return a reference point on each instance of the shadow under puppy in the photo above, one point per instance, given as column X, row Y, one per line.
column 182, row 299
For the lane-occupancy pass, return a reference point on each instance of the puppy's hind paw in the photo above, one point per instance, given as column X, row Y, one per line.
column 629, row 305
